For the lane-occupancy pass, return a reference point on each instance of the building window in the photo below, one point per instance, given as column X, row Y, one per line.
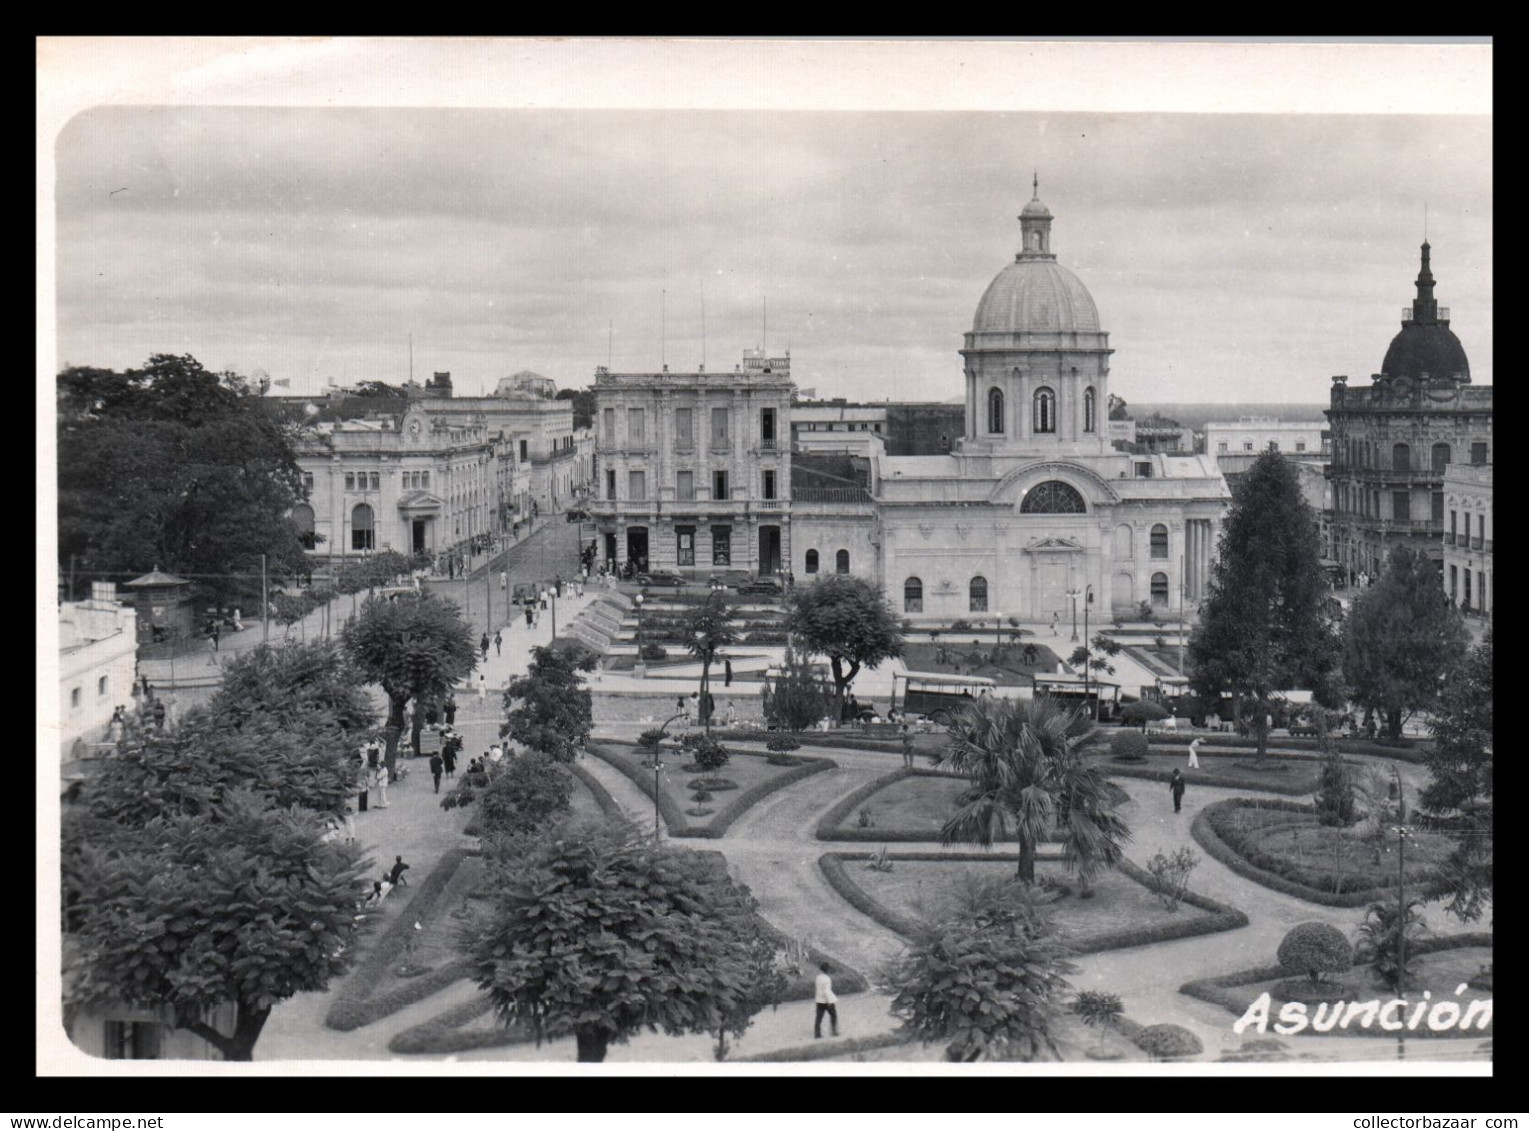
column 376, row 481
column 101, row 688
column 812, row 562
column 1401, row 506
column 636, row 428
column 841, row 562
column 610, row 483
column 721, row 545
column 424, row 480
column 684, row 428
column 684, row 545
column 1247, row 445
column 637, row 485
column 523, row 451
column 74, row 698
column 768, row 484
column 307, row 484
column 362, row 537
column 1144, row 471
column 1454, row 584
column 767, row 427
column 1045, row 410
column 1159, row 541
column 1089, row 411
column 1300, row 445
column 1438, row 506
column 913, row 595
column 350, row 481
column 995, row 411
column 1478, row 454
column 133, row 1040
column 684, row 486
column 1052, row 497
column 719, row 485
column 1159, row 588
column 719, row 428
column 1221, row 447
column 1440, row 456
column 1452, row 516
column 1401, row 457
column 302, row 518
column 977, row 595
column 1465, row 600
column 610, row 428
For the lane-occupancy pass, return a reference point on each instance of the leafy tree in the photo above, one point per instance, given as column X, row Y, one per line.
column 528, row 793
column 583, row 405
column 796, row 698
column 372, row 571
column 1315, row 949
column 1027, row 776
column 1400, row 639
column 708, row 628
column 412, row 647
column 1117, row 408
column 988, row 979
column 601, row 934
column 1460, row 778
column 175, row 466
column 245, row 903
column 1265, row 626
column 848, row 620
column 1142, row 712
column 1100, row 1010
column 379, row 389
column 1380, row 939
column 548, row 709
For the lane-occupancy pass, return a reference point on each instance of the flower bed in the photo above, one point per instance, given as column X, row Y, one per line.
column 1237, row 833
column 357, row 1003
column 839, row 822
column 1121, row 903
column 757, row 778
column 1237, row 991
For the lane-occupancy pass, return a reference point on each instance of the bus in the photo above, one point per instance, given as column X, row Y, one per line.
column 935, row 695
column 1100, row 697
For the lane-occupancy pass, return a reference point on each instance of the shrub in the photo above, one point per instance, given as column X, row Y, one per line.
column 1380, row 940
column 653, row 652
column 783, row 743
column 1144, row 610
column 1160, row 642
column 776, row 758
column 1142, row 712
column 1129, row 746
column 797, row 698
column 1162, row 1042
column 961, row 625
column 1170, row 875
column 1098, row 1010
column 1315, row 949
column 867, row 818
column 880, row 861
column 701, row 795
column 707, row 753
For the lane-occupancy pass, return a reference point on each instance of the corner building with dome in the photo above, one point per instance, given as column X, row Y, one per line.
column 1033, row 504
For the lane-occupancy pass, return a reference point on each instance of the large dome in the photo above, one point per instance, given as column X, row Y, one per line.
column 1037, row 296
column 1426, row 349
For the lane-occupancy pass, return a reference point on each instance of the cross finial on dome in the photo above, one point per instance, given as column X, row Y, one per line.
column 1035, row 185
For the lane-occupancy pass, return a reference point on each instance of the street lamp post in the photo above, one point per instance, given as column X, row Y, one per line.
column 1088, row 599
column 1073, row 593
column 1402, row 832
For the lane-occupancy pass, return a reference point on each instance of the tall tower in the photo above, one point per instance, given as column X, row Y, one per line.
column 1037, row 363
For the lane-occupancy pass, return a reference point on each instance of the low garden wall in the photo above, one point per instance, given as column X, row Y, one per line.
column 634, row 706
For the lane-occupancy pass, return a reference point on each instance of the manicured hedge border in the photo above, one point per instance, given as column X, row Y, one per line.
column 847, row 740
column 1218, row 849
column 355, row 1007
column 821, row 1051
column 1221, row 918
column 1249, row 780
column 674, row 816
column 1220, row 990
column 607, row 803
column 1295, row 747
column 828, row 827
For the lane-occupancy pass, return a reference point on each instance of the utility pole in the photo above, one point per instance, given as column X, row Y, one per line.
column 1401, row 911
column 265, row 605
column 1181, row 614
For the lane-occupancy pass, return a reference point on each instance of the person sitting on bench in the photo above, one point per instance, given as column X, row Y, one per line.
column 396, row 874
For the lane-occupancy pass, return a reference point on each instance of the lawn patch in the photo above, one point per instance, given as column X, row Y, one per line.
column 1294, row 776
column 973, row 653
column 1123, row 911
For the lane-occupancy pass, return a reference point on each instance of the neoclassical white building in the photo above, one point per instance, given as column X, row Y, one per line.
column 1033, row 505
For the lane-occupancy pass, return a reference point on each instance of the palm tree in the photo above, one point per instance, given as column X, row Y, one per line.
column 709, row 629
column 1028, row 777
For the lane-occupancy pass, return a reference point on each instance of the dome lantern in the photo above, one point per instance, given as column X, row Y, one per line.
column 1035, row 226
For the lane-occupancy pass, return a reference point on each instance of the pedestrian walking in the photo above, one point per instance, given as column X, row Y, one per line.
column 682, row 707
column 238, row 620
column 482, row 687
column 827, row 1001
column 1053, row 622
column 449, row 709
column 1176, row 787
column 504, row 580
column 530, row 615
column 380, row 783
column 727, row 673
column 437, row 764
column 907, row 747
column 451, row 742
column 350, row 823
column 483, row 645
column 115, row 729
column 732, row 713
column 212, row 650
column 498, row 643
column 1194, row 754
column 158, row 712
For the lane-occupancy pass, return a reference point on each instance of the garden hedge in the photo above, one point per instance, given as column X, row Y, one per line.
column 826, row 1051
column 1304, row 785
column 1221, row 918
column 1296, row 747
column 355, row 1006
column 1203, row 829
column 607, row 803
column 674, row 816
column 1223, row 990
column 443, row 1033
column 828, row 827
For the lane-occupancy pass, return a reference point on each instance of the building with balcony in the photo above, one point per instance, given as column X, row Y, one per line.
column 1467, row 541
column 1393, row 439
column 695, row 468
column 97, row 662
column 1248, row 436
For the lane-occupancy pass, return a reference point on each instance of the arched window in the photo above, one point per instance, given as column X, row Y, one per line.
column 1401, row 457
column 913, row 595
column 1160, row 541
column 362, row 537
column 1088, row 410
column 1052, row 497
column 302, row 518
column 1044, row 419
column 1159, row 588
column 978, row 598
column 812, row 562
column 841, row 562
column 995, row 411
column 1440, row 457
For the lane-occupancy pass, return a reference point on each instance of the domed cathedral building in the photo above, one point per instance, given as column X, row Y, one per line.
column 1033, row 508
column 1393, row 439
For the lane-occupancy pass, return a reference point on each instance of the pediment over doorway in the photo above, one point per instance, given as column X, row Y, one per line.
column 420, row 502
column 1053, row 546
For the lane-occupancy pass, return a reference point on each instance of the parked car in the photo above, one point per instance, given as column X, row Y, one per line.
column 659, row 577
column 761, row 585
column 729, row 578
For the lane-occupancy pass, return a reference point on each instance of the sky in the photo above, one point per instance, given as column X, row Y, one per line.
column 1233, row 257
